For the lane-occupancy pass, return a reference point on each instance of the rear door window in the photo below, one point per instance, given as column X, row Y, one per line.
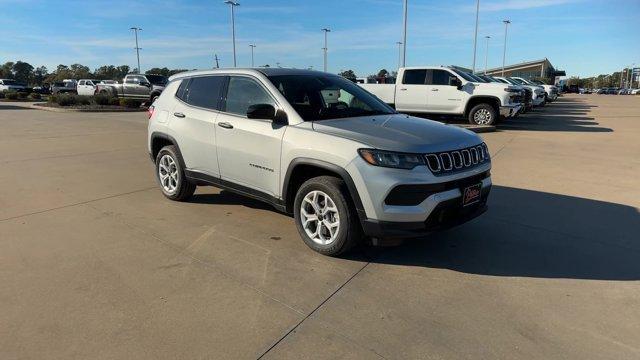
column 414, row 77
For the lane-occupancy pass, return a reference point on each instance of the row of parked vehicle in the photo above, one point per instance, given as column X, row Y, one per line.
column 612, row 91
column 448, row 90
column 135, row 86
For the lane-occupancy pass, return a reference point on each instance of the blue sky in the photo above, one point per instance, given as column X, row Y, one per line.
column 583, row 37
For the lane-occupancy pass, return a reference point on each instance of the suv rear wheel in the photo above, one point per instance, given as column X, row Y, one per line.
column 483, row 114
column 325, row 218
column 170, row 175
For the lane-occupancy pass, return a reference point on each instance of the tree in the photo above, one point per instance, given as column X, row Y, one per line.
column 80, row 71
column 383, row 73
column 349, row 74
column 158, row 71
column 6, row 71
column 39, row 75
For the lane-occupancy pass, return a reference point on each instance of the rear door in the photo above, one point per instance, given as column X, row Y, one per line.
column 443, row 98
column 248, row 149
column 411, row 92
column 192, row 121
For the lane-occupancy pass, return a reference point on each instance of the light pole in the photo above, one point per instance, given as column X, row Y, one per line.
column 135, row 30
column 233, row 4
column 486, row 54
column 252, row 46
column 405, row 6
column 475, row 36
column 504, row 52
column 326, row 30
column 399, row 43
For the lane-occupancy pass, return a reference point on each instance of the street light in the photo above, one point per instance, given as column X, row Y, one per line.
column 326, row 30
column 486, row 55
column 475, row 36
column 399, row 43
column 135, row 30
column 504, row 52
column 233, row 4
column 405, row 5
column 252, row 46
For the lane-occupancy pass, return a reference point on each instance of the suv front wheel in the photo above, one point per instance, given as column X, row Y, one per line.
column 170, row 175
column 325, row 218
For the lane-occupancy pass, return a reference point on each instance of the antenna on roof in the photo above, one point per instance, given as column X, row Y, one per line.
column 217, row 63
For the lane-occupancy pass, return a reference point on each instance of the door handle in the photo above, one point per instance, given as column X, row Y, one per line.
column 178, row 114
column 403, row 89
column 225, row 125
column 434, row 89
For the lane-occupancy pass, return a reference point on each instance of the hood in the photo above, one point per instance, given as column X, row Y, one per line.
column 398, row 132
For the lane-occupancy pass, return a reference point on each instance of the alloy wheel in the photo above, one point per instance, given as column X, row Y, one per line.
column 319, row 217
column 482, row 117
column 168, row 174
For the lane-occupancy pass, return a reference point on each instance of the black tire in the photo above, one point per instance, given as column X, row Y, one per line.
column 153, row 98
column 349, row 231
column 184, row 189
column 490, row 111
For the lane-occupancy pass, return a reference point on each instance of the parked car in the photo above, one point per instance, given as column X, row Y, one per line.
column 87, row 87
column 447, row 90
column 551, row 91
column 635, row 91
column 12, row 85
column 528, row 94
column 61, row 87
column 44, row 89
column 538, row 95
column 319, row 147
column 146, row 88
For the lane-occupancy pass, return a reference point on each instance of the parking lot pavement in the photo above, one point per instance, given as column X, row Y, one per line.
column 95, row 263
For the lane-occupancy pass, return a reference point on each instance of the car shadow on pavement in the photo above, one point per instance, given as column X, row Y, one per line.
column 225, row 197
column 12, row 107
column 562, row 115
column 532, row 234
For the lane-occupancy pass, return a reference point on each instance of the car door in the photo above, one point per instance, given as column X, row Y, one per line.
column 411, row 93
column 248, row 149
column 443, row 98
column 192, row 122
column 82, row 88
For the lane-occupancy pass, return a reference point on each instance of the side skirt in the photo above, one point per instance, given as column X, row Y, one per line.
column 201, row 178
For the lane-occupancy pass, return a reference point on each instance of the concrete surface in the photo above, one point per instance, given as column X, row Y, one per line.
column 96, row 264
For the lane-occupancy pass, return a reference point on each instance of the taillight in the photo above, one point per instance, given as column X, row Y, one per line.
column 150, row 111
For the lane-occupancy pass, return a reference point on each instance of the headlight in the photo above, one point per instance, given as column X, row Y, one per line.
column 391, row 159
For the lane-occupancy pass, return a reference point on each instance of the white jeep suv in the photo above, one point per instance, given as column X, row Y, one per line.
column 319, row 147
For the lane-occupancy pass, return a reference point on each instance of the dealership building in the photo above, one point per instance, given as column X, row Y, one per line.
column 530, row 70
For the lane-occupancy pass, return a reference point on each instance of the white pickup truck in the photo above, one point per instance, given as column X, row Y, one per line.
column 447, row 90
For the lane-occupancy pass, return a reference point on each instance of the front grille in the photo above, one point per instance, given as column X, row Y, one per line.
column 446, row 162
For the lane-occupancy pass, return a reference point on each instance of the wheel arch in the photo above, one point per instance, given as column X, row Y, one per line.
column 301, row 169
column 494, row 101
column 160, row 140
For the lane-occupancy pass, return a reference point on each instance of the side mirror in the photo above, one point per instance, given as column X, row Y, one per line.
column 267, row 112
column 454, row 81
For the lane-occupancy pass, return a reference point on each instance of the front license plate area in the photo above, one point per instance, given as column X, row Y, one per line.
column 471, row 194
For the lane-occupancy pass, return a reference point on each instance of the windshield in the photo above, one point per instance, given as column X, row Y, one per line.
column 464, row 75
column 321, row 97
column 478, row 78
column 157, row 79
column 516, row 81
column 9, row 82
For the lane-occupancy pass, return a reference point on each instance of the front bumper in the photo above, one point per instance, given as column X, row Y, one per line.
column 538, row 100
column 445, row 215
column 510, row 110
